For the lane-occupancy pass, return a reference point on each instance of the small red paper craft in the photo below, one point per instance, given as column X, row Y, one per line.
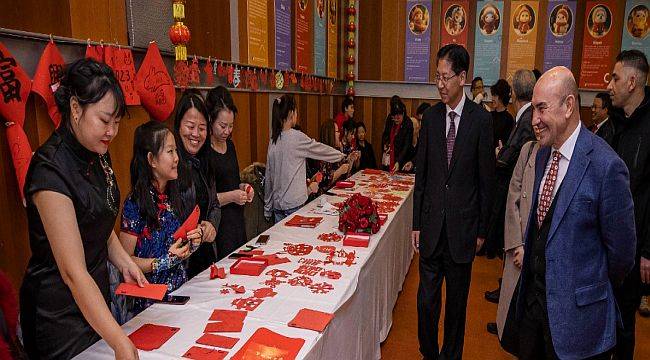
column 221, row 341
column 304, row 221
column 238, row 289
column 149, row 291
column 273, row 345
column 321, row 288
column 217, row 272
column 47, row 79
column 264, row 293
column 201, row 353
column 311, row 320
column 151, row 337
column 248, row 304
column 300, row 281
column 190, row 224
column 358, row 240
column 298, row 249
column 249, row 266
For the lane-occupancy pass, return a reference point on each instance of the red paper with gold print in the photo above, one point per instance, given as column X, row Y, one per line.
column 266, row 344
column 95, row 52
column 598, row 44
column 47, row 79
column 455, row 25
column 155, row 86
column 124, row 69
column 21, row 154
column 14, row 88
column 303, row 36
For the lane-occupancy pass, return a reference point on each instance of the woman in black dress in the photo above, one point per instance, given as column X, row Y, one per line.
column 191, row 131
column 397, row 139
column 367, row 157
column 72, row 203
column 502, row 121
column 223, row 171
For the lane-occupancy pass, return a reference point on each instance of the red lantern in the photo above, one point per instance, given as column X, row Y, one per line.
column 350, row 60
column 179, row 34
column 351, row 27
column 349, row 92
column 350, row 43
column 349, row 76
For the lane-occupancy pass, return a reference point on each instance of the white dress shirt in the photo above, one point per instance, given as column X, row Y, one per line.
column 458, row 110
column 521, row 112
column 566, row 151
column 598, row 126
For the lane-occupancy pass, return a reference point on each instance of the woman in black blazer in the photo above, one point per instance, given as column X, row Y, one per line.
column 397, row 138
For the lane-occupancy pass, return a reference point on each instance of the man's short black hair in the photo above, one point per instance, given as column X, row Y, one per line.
column 457, row 55
column 634, row 58
column 422, row 108
column 607, row 100
column 475, row 80
column 346, row 102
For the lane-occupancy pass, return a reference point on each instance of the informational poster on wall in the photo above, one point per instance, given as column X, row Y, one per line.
column 320, row 33
column 524, row 22
column 258, row 33
column 487, row 40
column 636, row 31
column 418, row 41
column 558, row 46
column 332, row 37
column 283, row 34
column 455, row 24
column 598, row 44
column 304, row 48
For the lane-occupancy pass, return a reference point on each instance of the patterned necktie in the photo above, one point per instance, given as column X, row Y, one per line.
column 547, row 190
column 451, row 136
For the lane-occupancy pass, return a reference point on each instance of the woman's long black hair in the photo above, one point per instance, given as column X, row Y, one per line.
column 282, row 106
column 150, row 138
column 397, row 107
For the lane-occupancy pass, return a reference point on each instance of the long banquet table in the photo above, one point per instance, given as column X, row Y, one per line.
column 362, row 299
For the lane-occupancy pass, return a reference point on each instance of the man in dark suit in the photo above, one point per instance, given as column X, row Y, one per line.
column 453, row 185
column 600, row 109
column 580, row 240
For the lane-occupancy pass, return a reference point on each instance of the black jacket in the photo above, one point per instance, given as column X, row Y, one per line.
column 403, row 139
column 521, row 134
column 458, row 196
column 632, row 143
column 606, row 132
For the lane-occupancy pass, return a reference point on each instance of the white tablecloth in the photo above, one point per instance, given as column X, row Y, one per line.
column 362, row 299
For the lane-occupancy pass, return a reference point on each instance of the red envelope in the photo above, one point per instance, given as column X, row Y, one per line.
column 190, row 224
column 217, row 340
column 230, row 325
column 226, row 315
column 311, row 320
column 265, row 341
column 201, row 353
column 151, row 337
column 149, row 291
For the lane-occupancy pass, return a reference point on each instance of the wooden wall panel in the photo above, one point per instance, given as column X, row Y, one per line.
column 43, row 16
column 241, row 132
column 370, row 24
column 209, row 23
column 99, row 19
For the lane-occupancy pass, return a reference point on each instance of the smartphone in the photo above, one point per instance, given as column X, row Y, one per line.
column 175, row 300
column 238, row 255
column 262, row 240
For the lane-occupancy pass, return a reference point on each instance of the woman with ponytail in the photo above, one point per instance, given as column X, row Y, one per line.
column 285, row 188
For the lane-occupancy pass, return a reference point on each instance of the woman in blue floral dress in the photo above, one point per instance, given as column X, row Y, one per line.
column 154, row 210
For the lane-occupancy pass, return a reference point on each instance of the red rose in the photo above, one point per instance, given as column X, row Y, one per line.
column 363, row 223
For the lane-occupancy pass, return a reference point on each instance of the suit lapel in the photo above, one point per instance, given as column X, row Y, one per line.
column 461, row 134
column 540, row 165
column 572, row 179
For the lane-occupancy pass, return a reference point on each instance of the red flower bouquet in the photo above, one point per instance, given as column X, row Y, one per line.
column 359, row 214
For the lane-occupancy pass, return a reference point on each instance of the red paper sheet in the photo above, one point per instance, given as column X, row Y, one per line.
column 217, row 272
column 149, row 291
column 151, row 337
column 304, row 221
column 311, row 320
column 267, row 344
column 217, row 341
column 225, row 315
column 231, row 325
column 201, row 353
column 190, row 224
column 273, row 259
column 251, row 252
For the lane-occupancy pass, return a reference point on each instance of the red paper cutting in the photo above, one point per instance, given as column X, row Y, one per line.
column 149, row 291
column 201, row 353
column 278, row 273
column 217, row 272
column 228, row 315
column 266, row 344
column 182, row 74
column 224, row 326
column 248, row 304
column 311, row 320
column 272, row 282
column 304, row 221
column 308, row 261
column 330, row 237
column 195, row 72
column 190, row 224
column 321, row 288
column 151, row 337
column 264, row 293
column 209, row 75
column 217, row 341
column 325, row 249
column 298, row 249
column 238, row 289
column 331, row 274
column 300, row 281
column 155, row 86
column 308, row 270
column 124, row 69
column 47, row 79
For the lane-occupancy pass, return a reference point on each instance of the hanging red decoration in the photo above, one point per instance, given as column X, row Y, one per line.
column 195, row 73
column 155, row 86
column 179, row 34
column 47, row 79
column 209, row 75
column 121, row 61
column 182, row 74
column 95, row 52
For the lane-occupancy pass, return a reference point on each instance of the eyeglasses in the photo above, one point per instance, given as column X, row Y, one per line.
column 442, row 79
